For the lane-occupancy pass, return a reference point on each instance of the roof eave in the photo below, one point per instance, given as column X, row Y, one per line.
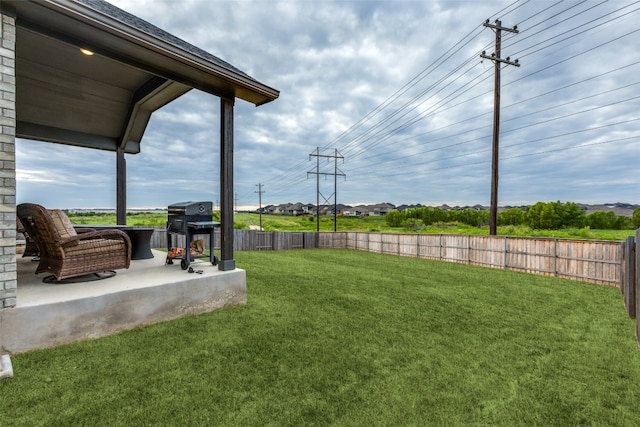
column 245, row 87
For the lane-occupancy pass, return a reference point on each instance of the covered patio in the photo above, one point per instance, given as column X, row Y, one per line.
column 85, row 73
column 49, row 314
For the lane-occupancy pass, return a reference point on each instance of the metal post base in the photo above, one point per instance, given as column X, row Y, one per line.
column 227, row 264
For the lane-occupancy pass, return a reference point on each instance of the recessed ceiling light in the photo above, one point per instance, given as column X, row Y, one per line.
column 86, row 51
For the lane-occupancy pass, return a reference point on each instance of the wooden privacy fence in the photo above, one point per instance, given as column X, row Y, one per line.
column 244, row 240
column 588, row 260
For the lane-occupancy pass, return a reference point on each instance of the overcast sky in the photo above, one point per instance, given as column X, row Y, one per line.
column 397, row 91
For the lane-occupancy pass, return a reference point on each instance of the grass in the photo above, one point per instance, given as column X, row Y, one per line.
column 348, row 338
column 133, row 218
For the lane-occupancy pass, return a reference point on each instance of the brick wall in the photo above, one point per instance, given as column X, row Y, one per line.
column 8, row 274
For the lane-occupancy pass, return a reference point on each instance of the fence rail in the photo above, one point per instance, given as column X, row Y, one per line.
column 588, row 260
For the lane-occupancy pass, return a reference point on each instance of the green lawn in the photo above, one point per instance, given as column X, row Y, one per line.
column 348, row 338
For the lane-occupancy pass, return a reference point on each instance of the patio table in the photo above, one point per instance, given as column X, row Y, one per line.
column 140, row 238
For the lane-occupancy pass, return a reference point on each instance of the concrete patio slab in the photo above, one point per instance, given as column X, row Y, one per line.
column 50, row 314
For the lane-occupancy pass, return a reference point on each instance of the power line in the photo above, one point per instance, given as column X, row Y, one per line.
column 566, row 86
column 466, row 165
column 546, row 121
column 392, row 124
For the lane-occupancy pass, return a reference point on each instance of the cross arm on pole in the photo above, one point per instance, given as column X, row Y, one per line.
column 498, row 26
column 493, row 57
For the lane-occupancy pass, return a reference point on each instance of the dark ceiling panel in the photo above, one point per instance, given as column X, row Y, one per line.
column 95, row 101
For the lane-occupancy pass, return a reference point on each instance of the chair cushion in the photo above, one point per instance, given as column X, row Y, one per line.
column 62, row 223
column 106, row 247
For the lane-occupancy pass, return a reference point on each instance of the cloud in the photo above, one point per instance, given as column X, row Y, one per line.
column 399, row 90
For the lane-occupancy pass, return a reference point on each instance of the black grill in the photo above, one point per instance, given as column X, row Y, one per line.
column 180, row 214
column 190, row 219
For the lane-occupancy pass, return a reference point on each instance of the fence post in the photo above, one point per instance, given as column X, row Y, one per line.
column 506, row 252
column 637, row 287
column 628, row 284
column 555, row 257
column 624, row 270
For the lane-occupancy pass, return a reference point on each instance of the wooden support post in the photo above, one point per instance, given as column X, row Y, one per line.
column 497, row 61
column 227, row 262
column 121, row 187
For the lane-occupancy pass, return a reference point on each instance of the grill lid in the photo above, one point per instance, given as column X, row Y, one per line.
column 191, row 208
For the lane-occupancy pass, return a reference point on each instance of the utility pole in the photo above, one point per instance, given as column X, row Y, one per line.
column 336, row 172
column 260, row 191
column 497, row 61
column 236, row 201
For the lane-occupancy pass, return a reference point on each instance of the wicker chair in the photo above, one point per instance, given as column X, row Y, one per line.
column 30, row 249
column 65, row 253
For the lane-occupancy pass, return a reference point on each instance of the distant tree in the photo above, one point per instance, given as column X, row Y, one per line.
column 465, row 216
column 413, row 213
column 440, row 215
column 635, row 218
column 602, row 220
column 428, row 215
column 394, row 218
column 483, row 217
column 472, row 217
column 623, row 223
column 554, row 215
column 512, row 216
column 549, row 218
column 570, row 214
column 532, row 216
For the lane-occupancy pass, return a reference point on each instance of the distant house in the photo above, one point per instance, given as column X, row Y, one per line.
column 406, row 207
column 298, row 209
column 269, row 209
column 381, row 209
column 360, row 210
column 293, row 209
column 351, row 212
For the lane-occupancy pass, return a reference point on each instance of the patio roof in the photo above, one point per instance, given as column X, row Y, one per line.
column 105, row 100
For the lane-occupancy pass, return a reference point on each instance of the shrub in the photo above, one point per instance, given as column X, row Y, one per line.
column 394, row 218
column 635, row 218
column 413, row 224
column 554, row 215
column 512, row 216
